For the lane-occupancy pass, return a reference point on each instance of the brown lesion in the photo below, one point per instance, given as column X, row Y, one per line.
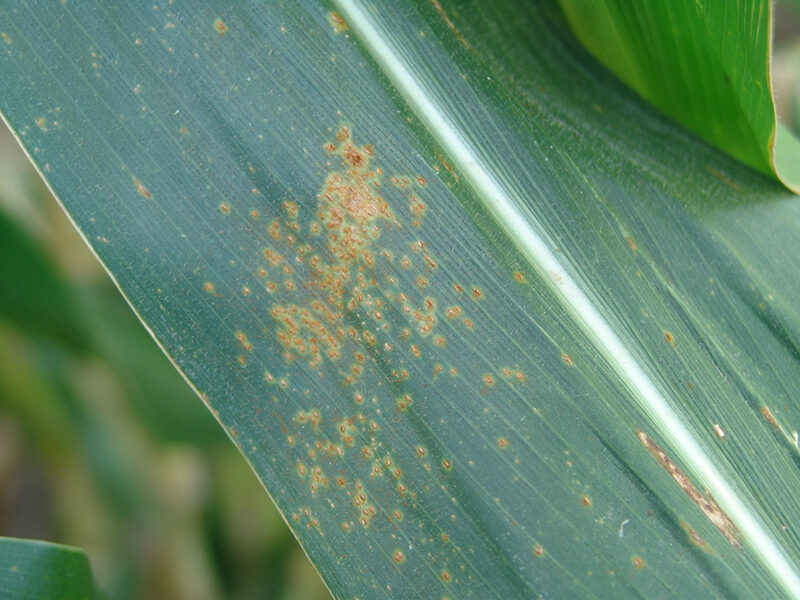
column 695, row 538
column 704, row 500
column 337, row 22
column 437, row 5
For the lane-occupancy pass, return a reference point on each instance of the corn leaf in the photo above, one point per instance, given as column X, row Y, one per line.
column 483, row 322
column 31, row 570
column 706, row 64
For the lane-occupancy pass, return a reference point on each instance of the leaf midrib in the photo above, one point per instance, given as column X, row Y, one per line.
column 532, row 241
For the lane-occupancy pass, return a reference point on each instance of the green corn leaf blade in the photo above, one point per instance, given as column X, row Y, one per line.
column 483, row 323
column 33, row 570
column 705, row 64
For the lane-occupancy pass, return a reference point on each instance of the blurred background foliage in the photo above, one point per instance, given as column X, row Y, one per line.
column 102, row 444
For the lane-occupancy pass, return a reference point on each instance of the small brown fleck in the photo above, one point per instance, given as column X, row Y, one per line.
column 519, row 277
column 404, row 402
column 449, row 23
column 567, row 360
column 631, row 243
column 668, row 337
column 445, row 577
column 770, row 418
column 337, row 22
column 695, row 538
column 6, row 38
column 586, row 501
column 209, row 287
column 638, row 562
column 722, row 178
column 502, row 443
column 398, row 556
column 538, row 551
column 140, row 188
column 453, row 312
column 224, row 208
column 220, row 27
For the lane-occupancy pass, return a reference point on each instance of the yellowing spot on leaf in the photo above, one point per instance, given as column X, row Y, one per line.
column 6, row 38
column 638, row 562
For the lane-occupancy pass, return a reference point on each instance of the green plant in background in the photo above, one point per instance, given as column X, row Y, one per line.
column 483, row 322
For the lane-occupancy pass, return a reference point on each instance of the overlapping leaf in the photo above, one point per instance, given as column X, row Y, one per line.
column 705, row 64
column 31, row 570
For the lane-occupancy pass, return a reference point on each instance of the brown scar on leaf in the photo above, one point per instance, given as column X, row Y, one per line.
column 220, row 27
column 704, row 501
column 337, row 22
column 695, row 538
column 770, row 418
column 352, row 213
column 449, row 23
column 140, row 188
column 722, row 178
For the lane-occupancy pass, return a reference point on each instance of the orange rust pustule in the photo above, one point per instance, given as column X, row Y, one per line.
column 349, row 218
column 704, row 501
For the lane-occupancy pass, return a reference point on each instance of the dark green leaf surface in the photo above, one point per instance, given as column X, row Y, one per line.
column 705, row 64
column 484, row 324
column 32, row 570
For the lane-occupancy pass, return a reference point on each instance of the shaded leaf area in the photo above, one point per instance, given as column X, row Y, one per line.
column 429, row 411
column 31, row 570
column 705, row 64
